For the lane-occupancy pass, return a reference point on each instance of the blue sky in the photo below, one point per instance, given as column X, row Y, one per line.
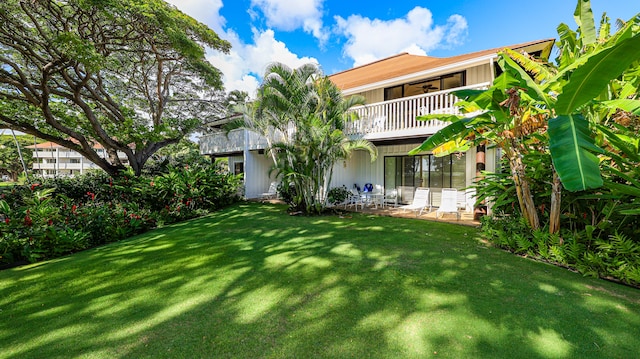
column 338, row 34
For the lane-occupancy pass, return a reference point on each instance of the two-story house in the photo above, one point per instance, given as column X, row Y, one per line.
column 397, row 89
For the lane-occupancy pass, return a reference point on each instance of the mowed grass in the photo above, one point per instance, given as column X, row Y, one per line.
column 253, row 282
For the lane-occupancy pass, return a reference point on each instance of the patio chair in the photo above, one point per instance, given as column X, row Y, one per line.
column 377, row 196
column 390, row 198
column 355, row 199
column 271, row 193
column 420, row 201
column 466, row 200
column 448, row 202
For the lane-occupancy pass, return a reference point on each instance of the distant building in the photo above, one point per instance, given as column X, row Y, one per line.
column 51, row 160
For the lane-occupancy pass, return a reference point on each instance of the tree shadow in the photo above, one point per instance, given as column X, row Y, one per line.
column 253, row 282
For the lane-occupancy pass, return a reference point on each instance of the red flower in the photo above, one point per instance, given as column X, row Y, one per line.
column 33, row 186
column 27, row 220
column 7, row 220
column 73, row 208
column 92, row 195
column 50, row 222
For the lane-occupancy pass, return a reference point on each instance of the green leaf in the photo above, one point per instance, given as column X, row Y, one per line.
column 584, row 18
column 525, row 81
column 624, row 189
column 455, row 130
column 572, row 150
column 627, row 145
column 590, row 79
column 632, row 106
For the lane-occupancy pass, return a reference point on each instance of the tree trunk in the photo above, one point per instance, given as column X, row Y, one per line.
column 556, row 199
column 24, row 166
column 523, row 190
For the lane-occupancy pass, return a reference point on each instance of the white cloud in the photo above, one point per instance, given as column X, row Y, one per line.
column 369, row 40
column 205, row 11
column 244, row 66
column 290, row 15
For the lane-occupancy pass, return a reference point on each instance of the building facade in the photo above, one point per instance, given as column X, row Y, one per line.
column 397, row 90
column 53, row 160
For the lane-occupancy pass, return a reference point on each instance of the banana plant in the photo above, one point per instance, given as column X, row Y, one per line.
column 559, row 94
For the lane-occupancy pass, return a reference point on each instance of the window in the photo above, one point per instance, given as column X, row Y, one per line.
column 445, row 82
column 392, row 93
column 238, row 168
column 425, row 171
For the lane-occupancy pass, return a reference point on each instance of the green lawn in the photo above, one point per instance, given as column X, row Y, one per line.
column 253, row 282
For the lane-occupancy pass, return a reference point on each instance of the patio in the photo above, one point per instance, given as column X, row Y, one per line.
column 464, row 218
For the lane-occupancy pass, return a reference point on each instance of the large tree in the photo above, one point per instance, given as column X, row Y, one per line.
column 130, row 75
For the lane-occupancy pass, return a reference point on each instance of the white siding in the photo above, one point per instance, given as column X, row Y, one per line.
column 479, row 74
column 256, row 172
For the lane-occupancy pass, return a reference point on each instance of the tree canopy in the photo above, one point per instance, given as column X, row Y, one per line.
column 130, row 75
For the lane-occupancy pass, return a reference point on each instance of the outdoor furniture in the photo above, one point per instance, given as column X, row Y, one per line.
column 466, row 200
column 271, row 193
column 355, row 199
column 390, row 197
column 448, row 202
column 419, row 203
column 377, row 196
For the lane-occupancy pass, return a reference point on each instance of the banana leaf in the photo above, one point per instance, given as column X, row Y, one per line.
column 572, row 151
column 590, row 79
column 456, row 130
column 451, row 147
column 584, row 18
column 524, row 80
column 628, row 105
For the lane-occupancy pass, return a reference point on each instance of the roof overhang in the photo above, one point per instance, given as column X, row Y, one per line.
column 403, row 68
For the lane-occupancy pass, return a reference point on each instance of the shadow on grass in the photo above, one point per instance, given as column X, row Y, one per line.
column 252, row 282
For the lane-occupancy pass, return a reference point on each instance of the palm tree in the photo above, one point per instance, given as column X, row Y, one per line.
column 302, row 115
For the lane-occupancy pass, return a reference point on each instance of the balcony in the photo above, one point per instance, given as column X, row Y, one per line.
column 397, row 118
column 233, row 142
column 377, row 121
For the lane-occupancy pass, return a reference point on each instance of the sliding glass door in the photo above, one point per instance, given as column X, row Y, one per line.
column 405, row 172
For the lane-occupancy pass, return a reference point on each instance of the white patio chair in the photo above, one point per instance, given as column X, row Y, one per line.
column 355, row 199
column 448, row 202
column 271, row 193
column 377, row 196
column 390, row 197
column 421, row 200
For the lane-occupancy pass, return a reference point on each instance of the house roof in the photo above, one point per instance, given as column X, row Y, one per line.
column 405, row 64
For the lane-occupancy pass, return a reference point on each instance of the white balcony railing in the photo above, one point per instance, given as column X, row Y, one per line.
column 389, row 119
column 397, row 118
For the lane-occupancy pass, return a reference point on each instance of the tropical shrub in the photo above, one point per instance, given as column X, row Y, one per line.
column 338, row 195
column 63, row 215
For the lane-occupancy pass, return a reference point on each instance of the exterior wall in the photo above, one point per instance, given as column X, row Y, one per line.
column 373, row 96
column 256, row 169
column 479, row 74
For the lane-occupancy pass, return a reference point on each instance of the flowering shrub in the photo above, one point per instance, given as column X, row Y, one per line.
column 58, row 216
